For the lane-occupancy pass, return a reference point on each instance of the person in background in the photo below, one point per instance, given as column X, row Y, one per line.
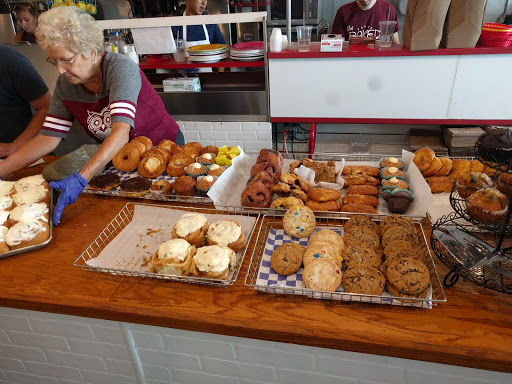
column 106, row 93
column 198, row 34
column 21, row 89
column 361, row 19
column 26, row 15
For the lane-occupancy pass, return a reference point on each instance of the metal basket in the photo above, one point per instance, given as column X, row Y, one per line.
column 87, row 5
column 124, row 217
column 275, row 222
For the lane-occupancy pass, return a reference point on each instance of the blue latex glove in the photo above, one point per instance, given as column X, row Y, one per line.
column 70, row 188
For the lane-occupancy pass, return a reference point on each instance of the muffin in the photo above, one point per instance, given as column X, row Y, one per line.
column 216, row 170
column 398, row 199
column 495, row 145
column 209, row 149
column 472, row 182
column 184, row 186
column 487, row 205
column 195, row 169
column 204, row 183
column 206, row 158
column 161, row 187
column 389, row 172
column 391, row 162
column 393, row 183
column 505, row 184
column 173, row 257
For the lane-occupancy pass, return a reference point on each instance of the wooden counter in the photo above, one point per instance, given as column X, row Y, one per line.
column 472, row 329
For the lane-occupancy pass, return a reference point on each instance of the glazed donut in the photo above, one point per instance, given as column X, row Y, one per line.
column 446, row 167
column 263, row 177
column 361, row 199
column 127, row 159
column 161, row 187
column 324, row 194
column 177, row 164
column 271, row 166
column 423, row 157
column 151, row 166
column 209, row 149
column 256, row 195
column 141, row 148
column 358, row 208
column 435, row 165
column 324, row 206
column 362, row 190
column 144, row 140
column 169, row 145
column 460, row 167
column 269, row 153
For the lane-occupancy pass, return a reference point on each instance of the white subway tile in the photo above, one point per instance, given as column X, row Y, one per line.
column 53, row 370
column 168, row 359
column 120, row 367
column 191, row 136
column 20, row 352
column 158, row 382
column 43, row 341
column 275, row 358
column 15, row 323
column 190, row 377
column 267, row 136
column 95, row 348
column 216, row 135
column 64, row 381
column 62, row 328
column 227, row 126
column 75, row 360
column 2, row 376
column 256, row 126
column 111, row 335
column 242, row 136
column 147, row 340
column 107, row 378
column 359, row 370
column 257, row 145
column 181, row 124
column 419, row 377
column 236, row 369
column 300, row 377
column 199, row 347
column 4, row 339
column 199, row 126
column 12, row 364
column 155, row 372
column 25, row 378
column 245, row 381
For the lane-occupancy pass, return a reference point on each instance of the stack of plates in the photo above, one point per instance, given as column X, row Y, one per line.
column 252, row 50
column 208, row 53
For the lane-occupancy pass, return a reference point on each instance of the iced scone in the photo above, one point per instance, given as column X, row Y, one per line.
column 3, row 234
column 28, row 212
column 192, row 227
column 27, row 233
column 6, row 203
column 174, row 257
column 29, row 181
column 213, row 261
column 31, row 194
column 226, row 232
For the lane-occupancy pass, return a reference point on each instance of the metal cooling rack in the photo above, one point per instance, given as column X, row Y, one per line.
column 273, row 222
column 124, row 217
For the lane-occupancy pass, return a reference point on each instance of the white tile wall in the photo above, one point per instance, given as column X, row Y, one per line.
column 45, row 348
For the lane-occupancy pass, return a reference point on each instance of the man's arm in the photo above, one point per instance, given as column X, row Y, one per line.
column 41, row 106
column 396, row 38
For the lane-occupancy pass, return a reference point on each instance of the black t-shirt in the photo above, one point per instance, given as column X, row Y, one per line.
column 20, row 83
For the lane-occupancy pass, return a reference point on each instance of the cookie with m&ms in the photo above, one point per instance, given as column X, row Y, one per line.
column 299, row 221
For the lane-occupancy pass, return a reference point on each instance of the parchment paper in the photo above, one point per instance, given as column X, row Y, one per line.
column 150, row 226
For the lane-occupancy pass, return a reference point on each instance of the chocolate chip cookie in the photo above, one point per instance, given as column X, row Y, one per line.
column 395, row 221
column 361, row 236
column 362, row 221
column 400, row 233
column 408, row 275
column 287, row 258
column 393, row 291
column 354, row 255
column 363, row 279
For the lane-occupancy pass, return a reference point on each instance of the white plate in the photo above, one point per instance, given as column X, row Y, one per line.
column 208, row 59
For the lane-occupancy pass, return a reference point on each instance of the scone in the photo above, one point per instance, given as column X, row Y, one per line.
column 226, row 232
column 322, row 275
column 213, row 262
column 27, row 233
column 192, row 227
column 174, row 257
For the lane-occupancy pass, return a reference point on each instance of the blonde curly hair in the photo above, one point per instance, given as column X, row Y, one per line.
column 72, row 28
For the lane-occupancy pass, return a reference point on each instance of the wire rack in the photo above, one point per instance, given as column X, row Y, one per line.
column 275, row 222
column 125, row 216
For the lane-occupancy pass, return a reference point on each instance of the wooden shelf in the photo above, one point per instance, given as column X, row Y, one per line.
column 168, row 62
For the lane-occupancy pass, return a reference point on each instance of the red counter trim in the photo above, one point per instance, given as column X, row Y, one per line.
column 351, row 120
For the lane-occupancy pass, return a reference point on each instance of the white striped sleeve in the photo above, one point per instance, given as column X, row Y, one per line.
column 122, row 108
column 57, row 124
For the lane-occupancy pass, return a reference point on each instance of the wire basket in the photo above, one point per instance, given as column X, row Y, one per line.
column 248, row 3
column 269, row 238
column 87, row 5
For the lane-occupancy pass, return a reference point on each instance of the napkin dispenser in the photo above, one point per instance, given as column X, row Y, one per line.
column 331, row 43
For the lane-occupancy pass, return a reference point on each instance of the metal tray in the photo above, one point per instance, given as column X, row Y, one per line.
column 35, row 246
column 125, row 216
column 269, row 237
column 117, row 192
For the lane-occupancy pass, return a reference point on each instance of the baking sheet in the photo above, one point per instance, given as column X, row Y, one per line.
column 126, row 245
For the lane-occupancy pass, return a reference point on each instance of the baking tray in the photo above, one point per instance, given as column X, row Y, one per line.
column 117, row 192
column 261, row 277
column 124, row 218
column 35, row 246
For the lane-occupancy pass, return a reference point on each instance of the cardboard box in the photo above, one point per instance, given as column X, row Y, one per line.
column 463, row 24
column 331, row 43
column 182, row 84
column 423, row 24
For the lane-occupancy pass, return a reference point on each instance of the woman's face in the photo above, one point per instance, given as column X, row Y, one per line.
column 27, row 21
column 77, row 68
column 196, row 7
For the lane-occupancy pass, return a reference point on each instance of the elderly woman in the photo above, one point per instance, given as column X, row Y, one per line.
column 26, row 15
column 106, row 93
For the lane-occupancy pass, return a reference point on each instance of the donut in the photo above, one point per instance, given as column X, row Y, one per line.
column 151, row 166
column 144, row 140
column 127, row 159
column 324, row 206
column 263, row 177
column 324, row 194
column 446, row 167
column 105, row 181
column 161, row 187
column 169, row 145
column 136, row 186
column 423, row 158
column 163, row 152
column 256, row 195
column 141, row 148
column 177, row 164
column 435, row 165
column 192, row 149
column 361, row 199
column 362, row 190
